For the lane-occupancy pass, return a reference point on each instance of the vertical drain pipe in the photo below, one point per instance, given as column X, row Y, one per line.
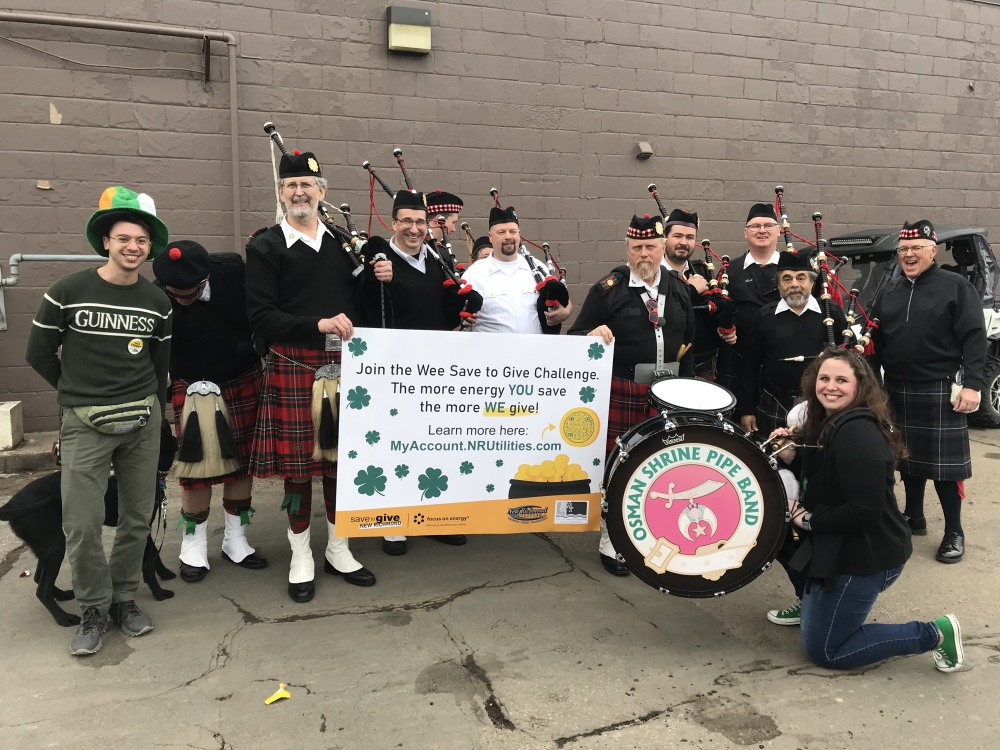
column 177, row 31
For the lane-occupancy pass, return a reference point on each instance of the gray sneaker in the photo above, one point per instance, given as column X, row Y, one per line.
column 87, row 639
column 133, row 621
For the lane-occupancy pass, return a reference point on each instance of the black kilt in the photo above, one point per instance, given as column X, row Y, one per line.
column 936, row 436
column 771, row 413
column 728, row 364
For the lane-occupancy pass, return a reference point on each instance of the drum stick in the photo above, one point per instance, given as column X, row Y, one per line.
column 683, row 350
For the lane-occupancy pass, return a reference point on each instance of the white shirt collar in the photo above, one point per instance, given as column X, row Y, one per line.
column 509, row 267
column 653, row 290
column 293, row 235
column 206, row 294
column 749, row 261
column 812, row 304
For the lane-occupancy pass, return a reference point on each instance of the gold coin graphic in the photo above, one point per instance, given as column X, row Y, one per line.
column 579, row 426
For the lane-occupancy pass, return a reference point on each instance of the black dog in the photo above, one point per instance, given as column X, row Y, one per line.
column 35, row 516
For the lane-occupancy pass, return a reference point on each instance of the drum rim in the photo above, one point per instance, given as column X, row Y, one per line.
column 728, row 582
column 675, row 408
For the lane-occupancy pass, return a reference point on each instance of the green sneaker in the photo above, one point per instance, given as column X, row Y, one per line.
column 790, row 616
column 949, row 656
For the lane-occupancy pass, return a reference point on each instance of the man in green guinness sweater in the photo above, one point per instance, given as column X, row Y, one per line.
column 114, row 329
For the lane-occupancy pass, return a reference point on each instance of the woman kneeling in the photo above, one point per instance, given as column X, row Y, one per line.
column 854, row 540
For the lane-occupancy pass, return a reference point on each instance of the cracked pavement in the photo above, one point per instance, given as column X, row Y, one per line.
column 509, row 642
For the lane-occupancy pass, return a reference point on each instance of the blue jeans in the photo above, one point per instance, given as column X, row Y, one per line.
column 834, row 634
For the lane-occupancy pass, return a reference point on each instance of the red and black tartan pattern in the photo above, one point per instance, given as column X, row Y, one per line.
column 936, row 436
column 242, row 397
column 443, row 208
column 283, row 442
column 629, row 405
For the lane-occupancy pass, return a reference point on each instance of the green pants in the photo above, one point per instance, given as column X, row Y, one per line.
column 87, row 458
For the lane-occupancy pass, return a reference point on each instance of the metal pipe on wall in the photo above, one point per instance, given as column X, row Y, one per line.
column 162, row 30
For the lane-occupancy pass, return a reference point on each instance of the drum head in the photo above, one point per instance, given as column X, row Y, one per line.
column 691, row 393
column 695, row 510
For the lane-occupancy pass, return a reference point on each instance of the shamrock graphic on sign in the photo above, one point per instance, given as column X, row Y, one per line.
column 371, row 481
column 393, row 412
column 597, row 462
column 490, row 488
column 432, row 483
column 372, row 437
column 499, row 462
column 402, row 470
column 357, row 346
column 466, row 467
column 596, row 351
column 352, row 454
column 358, row 398
column 587, row 394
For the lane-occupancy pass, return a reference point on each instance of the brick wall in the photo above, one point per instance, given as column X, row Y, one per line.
column 871, row 111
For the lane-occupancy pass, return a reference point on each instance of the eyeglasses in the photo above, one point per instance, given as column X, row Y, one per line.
column 300, row 185
column 407, row 223
column 762, row 227
column 913, row 249
column 654, row 310
column 198, row 291
column 140, row 242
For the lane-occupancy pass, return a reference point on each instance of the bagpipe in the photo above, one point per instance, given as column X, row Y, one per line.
column 440, row 252
column 715, row 299
column 550, row 282
column 831, row 290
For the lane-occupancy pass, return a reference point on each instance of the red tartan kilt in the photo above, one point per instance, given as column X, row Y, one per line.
column 283, row 442
column 629, row 406
column 242, row 397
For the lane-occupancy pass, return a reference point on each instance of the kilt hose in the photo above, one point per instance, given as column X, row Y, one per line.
column 628, row 407
column 242, row 397
column 283, row 442
column 936, row 436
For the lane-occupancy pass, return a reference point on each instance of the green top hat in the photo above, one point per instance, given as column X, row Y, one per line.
column 121, row 204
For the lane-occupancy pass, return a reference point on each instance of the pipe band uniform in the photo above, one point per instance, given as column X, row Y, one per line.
column 305, row 294
column 206, row 446
column 648, row 312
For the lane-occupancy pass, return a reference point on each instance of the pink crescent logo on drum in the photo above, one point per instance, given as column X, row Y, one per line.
column 693, row 510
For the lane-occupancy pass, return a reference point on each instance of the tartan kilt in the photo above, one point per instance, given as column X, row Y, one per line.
column 629, row 405
column 242, row 397
column 771, row 414
column 728, row 363
column 936, row 436
column 283, row 441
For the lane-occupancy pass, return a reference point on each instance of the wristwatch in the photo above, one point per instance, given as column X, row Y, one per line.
column 806, row 526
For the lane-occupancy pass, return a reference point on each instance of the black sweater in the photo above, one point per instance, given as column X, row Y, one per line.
column 857, row 528
column 612, row 302
column 211, row 340
column 929, row 327
column 771, row 339
column 419, row 300
column 750, row 289
column 706, row 325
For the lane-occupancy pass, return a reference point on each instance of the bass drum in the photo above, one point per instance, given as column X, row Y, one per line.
column 693, row 507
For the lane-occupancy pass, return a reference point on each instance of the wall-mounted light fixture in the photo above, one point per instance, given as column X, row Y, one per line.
column 643, row 150
column 409, row 29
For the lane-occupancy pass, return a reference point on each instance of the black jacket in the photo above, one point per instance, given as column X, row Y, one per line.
column 211, row 340
column 612, row 302
column 857, row 528
column 290, row 289
column 419, row 300
column 750, row 289
column 929, row 327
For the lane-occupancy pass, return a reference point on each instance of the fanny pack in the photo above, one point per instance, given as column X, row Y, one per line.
column 117, row 419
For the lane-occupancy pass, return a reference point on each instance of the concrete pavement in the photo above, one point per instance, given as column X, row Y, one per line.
column 508, row 642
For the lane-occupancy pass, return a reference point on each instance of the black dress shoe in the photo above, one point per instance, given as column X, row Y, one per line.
column 253, row 561
column 301, row 592
column 360, row 577
column 191, row 574
column 952, row 548
column 918, row 526
column 393, row 548
column 614, row 567
column 455, row 540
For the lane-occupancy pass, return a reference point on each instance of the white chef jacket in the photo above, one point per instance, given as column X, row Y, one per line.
column 509, row 296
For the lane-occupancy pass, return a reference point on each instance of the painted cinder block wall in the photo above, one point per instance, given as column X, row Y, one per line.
column 872, row 111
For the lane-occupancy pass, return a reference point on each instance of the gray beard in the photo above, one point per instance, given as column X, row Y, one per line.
column 796, row 299
column 648, row 270
column 303, row 211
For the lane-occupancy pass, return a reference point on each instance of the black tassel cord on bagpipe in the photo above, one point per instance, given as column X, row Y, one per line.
column 473, row 302
column 551, row 286
column 716, row 296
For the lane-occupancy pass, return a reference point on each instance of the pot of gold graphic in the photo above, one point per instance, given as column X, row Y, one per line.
column 555, row 476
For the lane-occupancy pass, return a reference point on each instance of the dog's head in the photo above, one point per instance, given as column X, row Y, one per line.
column 168, row 447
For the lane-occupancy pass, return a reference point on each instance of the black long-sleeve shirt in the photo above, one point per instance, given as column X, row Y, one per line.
column 750, row 289
column 290, row 289
column 612, row 302
column 419, row 300
column 211, row 340
column 771, row 340
column 929, row 327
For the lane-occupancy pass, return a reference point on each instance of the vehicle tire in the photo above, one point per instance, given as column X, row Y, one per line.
column 988, row 413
